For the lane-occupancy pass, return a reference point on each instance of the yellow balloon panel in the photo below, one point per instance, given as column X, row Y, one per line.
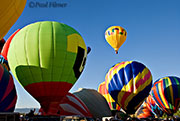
column 10, row 10
column 115, row 36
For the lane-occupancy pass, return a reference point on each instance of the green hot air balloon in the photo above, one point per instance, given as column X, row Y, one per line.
column 47, row 58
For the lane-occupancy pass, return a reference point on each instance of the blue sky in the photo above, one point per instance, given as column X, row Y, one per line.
column 153, row 36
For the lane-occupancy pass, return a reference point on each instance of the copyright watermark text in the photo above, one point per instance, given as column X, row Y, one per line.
column 47, row 4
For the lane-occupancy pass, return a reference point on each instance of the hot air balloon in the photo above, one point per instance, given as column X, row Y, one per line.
column 8, row 95
column 47, row 58
column 4, row 52
column 112, row 104
column 144, row 112
column 95, row 102
column 153, row 106
column 115, row 36
column 10, row 11
column 129, row 83
column 166, row 92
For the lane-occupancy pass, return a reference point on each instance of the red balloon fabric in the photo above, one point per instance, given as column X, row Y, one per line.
column 68, row 106
column 8, row 95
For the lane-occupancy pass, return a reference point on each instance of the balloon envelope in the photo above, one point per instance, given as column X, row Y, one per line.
column 144, row 112
column 95, row 102
column 153, row 106
column 112, row 104
column 47, row 58
column 129, row 83
column 10, row 11
column 8, row 95
column 115, row 36
column 166, row 92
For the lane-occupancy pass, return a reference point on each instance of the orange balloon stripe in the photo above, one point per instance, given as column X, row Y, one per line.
column 102, row 89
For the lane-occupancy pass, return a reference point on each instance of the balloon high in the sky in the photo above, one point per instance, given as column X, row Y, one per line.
column 115, row 36
column 166, row 92
column 129, row 83
column 10, row 10
column 8, row 95
column 112, row 104
column 47, row 58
